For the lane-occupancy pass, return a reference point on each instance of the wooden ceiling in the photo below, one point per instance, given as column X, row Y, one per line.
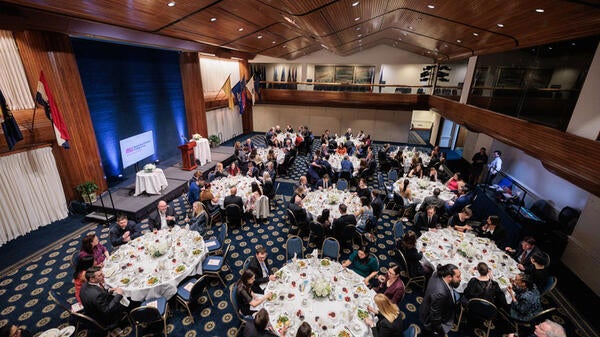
column 440, row 29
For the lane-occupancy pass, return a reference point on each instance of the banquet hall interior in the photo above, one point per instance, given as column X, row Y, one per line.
column 132, row 101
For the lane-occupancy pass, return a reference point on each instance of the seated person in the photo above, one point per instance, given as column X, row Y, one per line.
column 408, row 247
column 91, row 246
column 209, row 200
column 324, row 221
column 426, row 220
column 233, row 198
column 220, row 171
column 484, row 287
column 250, row 205
column 261, row 269
column 11, row 330
column 493, row 231
column 198, row 219
column 364, row 264
column 454, row 181
column 376, row 204
column 525, row 298
column 417, row 171
column 539, row 274
column 432, row 200
column 341, row 150
column 233, row 170
column 303, row 182
column 195, row 187
column 324, row 183
column 260, row 326
column 245, row 296
column 267, row 185
column 270, row 168
column 363, row 190
column 338, row 225
column 346, row 166
column 432, row 174
column 524, row 253
column 389, row 323
column 464, row 198
column 252, row 170
column 79, row 279
column 391, row 284
column 162, row 217
column 364, row 218
column 300, row 213
column 123, row 231
column 459, row 221
column 104, row 305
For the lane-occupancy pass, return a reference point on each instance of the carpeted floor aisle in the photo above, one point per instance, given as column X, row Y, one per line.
column 24, row 286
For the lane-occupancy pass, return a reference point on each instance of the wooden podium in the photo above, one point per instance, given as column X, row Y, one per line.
column 187, row 156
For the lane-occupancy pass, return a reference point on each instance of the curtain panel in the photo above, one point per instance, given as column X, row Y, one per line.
column 13, row 81
column 31, row 193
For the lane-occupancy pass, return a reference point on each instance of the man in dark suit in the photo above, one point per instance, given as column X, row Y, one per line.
column 493, row 230
column 376, row 203
column 262, row 271
column 433, row 199
column 99, row 303
column 123, row 231
column 233, row 198
column 524, row 253
column 426, row 220
column 252, row 170
column 439, row 303
column 324, row 183
column 337, row 227
column 464, row 199
column 162, row 217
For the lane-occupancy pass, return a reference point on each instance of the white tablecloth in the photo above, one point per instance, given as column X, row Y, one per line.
column 342, row 140
column 279, row 154
column 316, row 201
column 150, row 182
column 327, row 316
column 133, row 266
column 281, row 137
column 408, row 156
column 422, row 188
column 466, row 250
column 202, row 151
column 336, row 162
column 221, row 187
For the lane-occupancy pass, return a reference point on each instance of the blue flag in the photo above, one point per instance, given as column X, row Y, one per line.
column 275, row 79
column 239, row 95
column 11, row 130
column 282, row 74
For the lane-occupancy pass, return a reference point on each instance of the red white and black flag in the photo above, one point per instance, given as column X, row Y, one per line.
column 44, row 98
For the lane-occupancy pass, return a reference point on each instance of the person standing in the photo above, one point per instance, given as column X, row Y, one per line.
column 479, row 160
column 439, row 303
column 494, row 167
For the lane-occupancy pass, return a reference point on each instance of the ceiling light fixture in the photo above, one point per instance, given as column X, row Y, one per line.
column 357, row 18
column 500, row 25
column 240, row 29
column 359, row 35
column 259, row 37
column 411, row 27
column 354, row 4
column 357, row 28
column 475, row 34
column 284, row 46
column 540, row 10
column 213, row 19
column 324, row 46
column 273, row 42
column 171, row 4
column 430, row 6
column 459, row 41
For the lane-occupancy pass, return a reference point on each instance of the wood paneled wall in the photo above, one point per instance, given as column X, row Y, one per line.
column 343, row 99
column 52, row 53
column 43, row 133
column 193, row 93
column 247, row 123
column 568, row 156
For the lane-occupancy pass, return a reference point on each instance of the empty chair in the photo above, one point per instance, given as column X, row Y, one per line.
column 292, row 221
column 342, row 185
column 392, row 175
column 416, row 279
column 190, row 292
column 480, row 309
column 331, row 249
column 411, row 331
column 234, row 216
column 294, row 246
column 215, row 245
column 149, row 312
column 398, row 230
column 213, row 265
column 550, row 285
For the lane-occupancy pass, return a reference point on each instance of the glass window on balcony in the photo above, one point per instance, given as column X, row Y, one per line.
column 449, row 79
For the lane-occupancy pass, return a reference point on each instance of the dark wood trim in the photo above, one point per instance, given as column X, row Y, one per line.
column 247, row 120
column 195, row 109
column 568, row 156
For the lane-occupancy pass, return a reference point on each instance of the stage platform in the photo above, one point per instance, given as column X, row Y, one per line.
column 139, row 207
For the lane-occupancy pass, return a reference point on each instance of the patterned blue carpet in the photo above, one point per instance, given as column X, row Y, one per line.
column 24, row 286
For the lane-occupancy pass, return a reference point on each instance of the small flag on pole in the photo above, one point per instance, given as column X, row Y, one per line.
column 44, row 98
column 11, row 130
column 250, row 88
column 227, row 90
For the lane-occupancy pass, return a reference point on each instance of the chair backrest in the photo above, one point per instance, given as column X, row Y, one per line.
column 380, row 181
column 262, row 207
column 225, row 253
column 222, row 233
column 482, row 308
column 541, row 316
column 74, row 260
column 234, row 302
column 145, row 314
column 376, row 259
column 60, row 300
column 198, row 288
column 331, row 248
column 247, row 262
column 294, row 244
column 392, row 175
column 411, row 331
column 88, row 319
column 342, row 185
column 398, row 230
column 316, row 229
column 402, row 260
column 550, row 285
column 291, row 217
column 233, row 210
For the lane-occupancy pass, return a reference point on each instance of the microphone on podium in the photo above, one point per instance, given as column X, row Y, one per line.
column 184, row 139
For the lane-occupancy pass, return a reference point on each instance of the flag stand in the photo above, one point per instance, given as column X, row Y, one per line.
column 33, row 118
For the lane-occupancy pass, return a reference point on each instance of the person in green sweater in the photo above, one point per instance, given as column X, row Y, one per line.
column 363, row 264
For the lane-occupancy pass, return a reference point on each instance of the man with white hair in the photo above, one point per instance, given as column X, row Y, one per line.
column 547, row 328
column 162, row 217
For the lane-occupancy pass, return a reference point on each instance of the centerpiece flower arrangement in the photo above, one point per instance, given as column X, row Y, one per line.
column 423, row 183
column 321, row 288
column 466, row 250
column 157, row 249
column 332, row 199
column 149, row 167
column 196, row 136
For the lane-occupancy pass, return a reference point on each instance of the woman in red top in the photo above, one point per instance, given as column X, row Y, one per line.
column 79, row 276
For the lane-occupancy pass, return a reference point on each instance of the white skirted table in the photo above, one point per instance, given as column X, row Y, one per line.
column 202, row 151
column 154, row 264
column 316, row 201
column 150, row 182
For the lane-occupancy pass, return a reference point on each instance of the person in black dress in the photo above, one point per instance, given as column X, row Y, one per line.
column 245, row 296
column 484, row 287
column 390, row 320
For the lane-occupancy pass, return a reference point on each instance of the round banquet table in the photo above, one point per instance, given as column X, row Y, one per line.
column 202, row 151
column 409, row 154
column 422, row 188
column 316, row 201
column 279, row 154
column 142, row 276
column 281, row 137
column 466, row 250
column 336, row 162
column 294, row 298
column 150, row 182
column 220, row 187
column 343, row 140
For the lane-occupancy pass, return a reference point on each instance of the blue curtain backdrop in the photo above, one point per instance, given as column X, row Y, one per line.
column 130, row 90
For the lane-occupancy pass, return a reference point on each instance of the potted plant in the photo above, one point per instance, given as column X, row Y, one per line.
column 214, row 140
column 88, row 191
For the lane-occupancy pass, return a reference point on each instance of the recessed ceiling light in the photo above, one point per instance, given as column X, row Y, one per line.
column 475, row 34
column 445, row 46
column 500, row 25
column 284, row 46
column 572, row 43
column 273, row 42
column 213, row 19
column 359, row 35
column 399, row 39
column 355, row 3
column 324, row 46
column 240, row 29
column 171, row 4
column 357, row 18
column 260, row 36
column 428, row 52
column 459, row 41
column 430, row 6
column 411, row 27
column 549, row 48
column 540, row 10
column 357, row 28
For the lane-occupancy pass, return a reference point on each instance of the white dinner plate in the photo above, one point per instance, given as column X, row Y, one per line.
column 51, row 333
column 67, row 331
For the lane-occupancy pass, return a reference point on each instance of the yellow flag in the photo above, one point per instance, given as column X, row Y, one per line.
column 227, row 90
